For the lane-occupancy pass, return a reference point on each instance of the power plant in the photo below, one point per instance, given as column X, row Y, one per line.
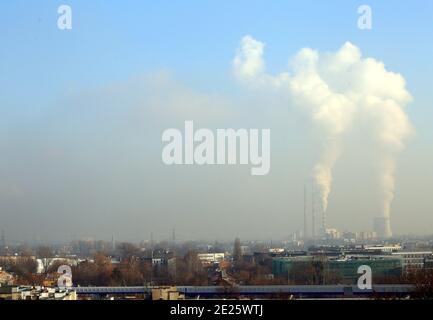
column 381, row 225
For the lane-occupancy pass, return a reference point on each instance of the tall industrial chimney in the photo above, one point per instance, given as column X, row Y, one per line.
column 305, row 213
column 382, row 227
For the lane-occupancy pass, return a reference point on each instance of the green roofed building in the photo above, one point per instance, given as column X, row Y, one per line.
column 336, row 270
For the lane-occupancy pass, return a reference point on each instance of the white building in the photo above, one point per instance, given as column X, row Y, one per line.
column 157, row 262
column 210, row 258
column 389, row 249
column 41, row 293
column 276, row 250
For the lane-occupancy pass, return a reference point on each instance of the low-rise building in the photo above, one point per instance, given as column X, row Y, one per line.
column 276, row 250
column 210, row 258
column 36, row 293
column 166, row 293
column 366, row 235
column 44, row 293
column 332, row 234
column 384, row 248
column 9, row 293
column 413, row 260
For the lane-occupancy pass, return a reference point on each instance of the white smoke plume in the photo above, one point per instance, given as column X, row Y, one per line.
column 337, row 89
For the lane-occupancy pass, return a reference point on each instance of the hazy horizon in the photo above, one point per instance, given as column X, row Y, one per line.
column 83, row 112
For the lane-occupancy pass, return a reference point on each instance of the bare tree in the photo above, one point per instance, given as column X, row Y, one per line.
column 44, row 253
column 189, row 270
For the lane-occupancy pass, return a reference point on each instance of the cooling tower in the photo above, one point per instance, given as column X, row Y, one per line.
column 382, row 227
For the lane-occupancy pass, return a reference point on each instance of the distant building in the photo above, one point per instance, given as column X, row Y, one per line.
column 210, row 258
column 166, row 293
column 9, row 293
column 385, row 248
column 346, row 268
column 156, row 262
column 332, row 234
column 349, row 236
column 245, row 250
column 276, row 250
column 366, row 235
column 265, row 258
column 413, row 260
column 42, row 293
column 36, row 293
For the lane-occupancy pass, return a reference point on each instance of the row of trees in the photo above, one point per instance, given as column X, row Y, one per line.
column 135, row 271
column 23, row 267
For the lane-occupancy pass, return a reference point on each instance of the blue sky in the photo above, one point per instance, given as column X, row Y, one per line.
column 111, row 42
column 196, row 40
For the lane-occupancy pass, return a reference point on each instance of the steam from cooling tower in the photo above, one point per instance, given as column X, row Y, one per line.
column 336, row 89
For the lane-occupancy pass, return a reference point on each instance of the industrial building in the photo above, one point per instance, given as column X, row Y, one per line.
column 345, row 268
column 414, row 260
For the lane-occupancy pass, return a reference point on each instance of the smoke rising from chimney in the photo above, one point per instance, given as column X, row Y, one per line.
column 337, row 89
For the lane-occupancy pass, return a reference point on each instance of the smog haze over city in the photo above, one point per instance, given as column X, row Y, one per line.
column 84, row 111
